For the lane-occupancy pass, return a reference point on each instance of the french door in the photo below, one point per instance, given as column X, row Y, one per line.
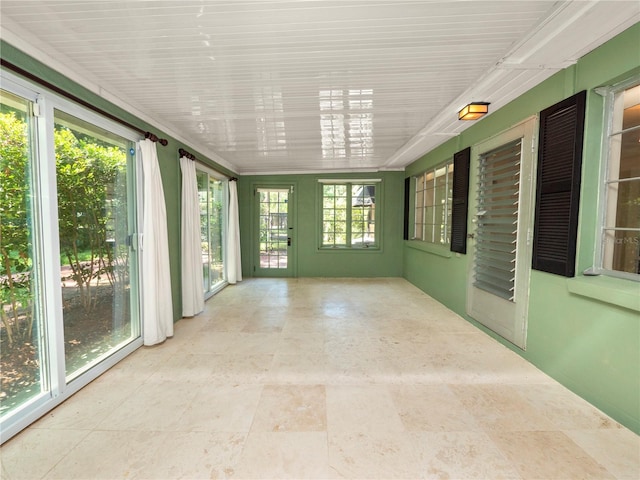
column 213, row 194
column 69, row 260
column 274, row 240
column 498, row 290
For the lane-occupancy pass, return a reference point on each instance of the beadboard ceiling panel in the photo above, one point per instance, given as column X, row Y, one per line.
column 310, row 86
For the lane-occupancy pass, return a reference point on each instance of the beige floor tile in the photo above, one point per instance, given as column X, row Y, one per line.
column 34, row 452
column 487, row 366
column 461, row 455
column 214, row 342
column 500, row 408
column 361, row 408
column 141, row 364
column 253, row 344
column 89, row 406
column 152, row 407
column 220, row 408
column 419, row 369
column 548, row 455
column 193, row 368
column 618, row 450
column 301, row 343
column 242, row 369
column 109, row 455
column 298, row 369
column 305, row 321
column 431, row 408
column 264, row 324
column 195, row 455
column 373, row 455
column 291, row 408
column 564, row 408
column 283, row 455
column 366, row 369
column 225, row 318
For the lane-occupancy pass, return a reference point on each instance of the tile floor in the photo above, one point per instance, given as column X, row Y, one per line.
column 327, row 379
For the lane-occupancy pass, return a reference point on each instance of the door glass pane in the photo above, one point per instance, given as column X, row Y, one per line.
column 216, row 224
column 95, row 223
column 273, row 230
column 203, row 197
column 212, row 194
column 21, row 333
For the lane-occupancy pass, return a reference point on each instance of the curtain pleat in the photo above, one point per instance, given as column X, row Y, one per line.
column 157, row 305
column 234, row 261
column 192, row 276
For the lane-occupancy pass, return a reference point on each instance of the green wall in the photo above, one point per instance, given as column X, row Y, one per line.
column 167, row 156
column 310, row 261
column 585, row 331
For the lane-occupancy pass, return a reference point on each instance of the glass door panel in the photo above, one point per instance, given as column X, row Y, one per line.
column 212, row 194
column 216, row 229
column 274, row 238
column 22, row 343
column 96, row 221
column 203, row 197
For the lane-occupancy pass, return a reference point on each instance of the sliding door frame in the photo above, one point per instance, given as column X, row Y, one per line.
column 212, row 174
column 47, row 268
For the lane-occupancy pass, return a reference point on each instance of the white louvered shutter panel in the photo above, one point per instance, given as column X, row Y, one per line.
column 497, row 220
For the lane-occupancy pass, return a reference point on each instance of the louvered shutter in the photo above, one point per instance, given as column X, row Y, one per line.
column 459, row 204
column 497, row 220
column 407, row 186
column 558, row 186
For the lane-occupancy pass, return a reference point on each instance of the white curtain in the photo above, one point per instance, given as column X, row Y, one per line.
column 157, row 306
column 192, row 276
column 234, row 263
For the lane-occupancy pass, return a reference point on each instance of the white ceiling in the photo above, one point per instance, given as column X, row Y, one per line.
column 310, row 86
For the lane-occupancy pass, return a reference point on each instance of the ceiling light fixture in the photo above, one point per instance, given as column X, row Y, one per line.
column 473, row 111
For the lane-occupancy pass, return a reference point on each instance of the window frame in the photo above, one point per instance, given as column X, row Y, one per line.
column 448, row 206
column 610, row 94
column 377, row 220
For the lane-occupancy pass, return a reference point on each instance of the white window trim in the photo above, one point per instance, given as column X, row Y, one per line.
column 377, row 245
column 609, row 93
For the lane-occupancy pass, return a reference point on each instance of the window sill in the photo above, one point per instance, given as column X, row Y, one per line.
column 616, row 291
column 432, row 248
column 350, row 249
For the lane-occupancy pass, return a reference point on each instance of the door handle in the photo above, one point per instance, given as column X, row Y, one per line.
column 288, row 241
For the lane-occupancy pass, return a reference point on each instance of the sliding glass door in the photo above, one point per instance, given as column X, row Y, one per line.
column 95, row 224
column 68, row 254
column 213, row 195
column 23, row 366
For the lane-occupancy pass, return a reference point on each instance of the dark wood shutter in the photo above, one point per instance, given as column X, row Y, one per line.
column 460, row 201
column 558, row 186
column 407, row 196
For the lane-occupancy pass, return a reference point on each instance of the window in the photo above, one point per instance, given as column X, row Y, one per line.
column 349, row 217
column 620, row 236
column 434, row 191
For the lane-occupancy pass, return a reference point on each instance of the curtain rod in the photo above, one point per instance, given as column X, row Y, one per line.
column 184, row 153
column 191, row 156
column 70, row 96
